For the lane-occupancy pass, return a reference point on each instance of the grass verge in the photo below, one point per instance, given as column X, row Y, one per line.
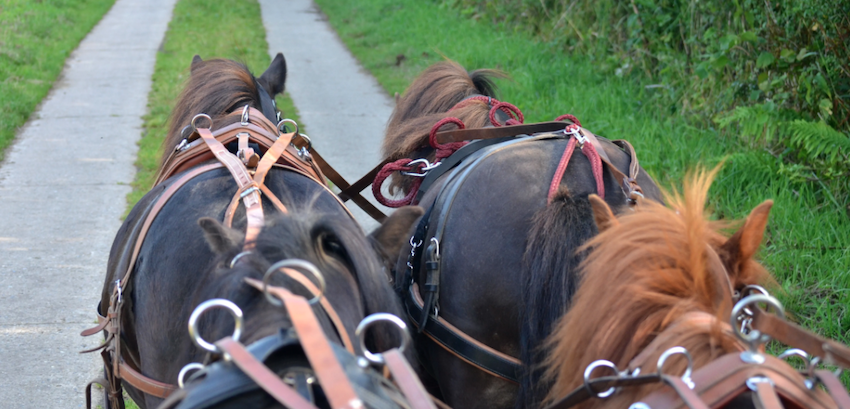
column 35, row 40
column 212, row 30
column 807, row 242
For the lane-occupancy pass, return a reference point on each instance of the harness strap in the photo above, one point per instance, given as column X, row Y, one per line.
column 248, row 188
column 598, row 385
column 143, row 383
column 766, row 397
column 326, row 305
column 264, row 377
column 335, row 383
column 795, row 336
column 462, row 345
column 684, row 391
column 834, row 387
column 406, row 379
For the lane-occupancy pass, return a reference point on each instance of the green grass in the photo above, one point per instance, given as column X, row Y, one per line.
column 808, row 240
column 212, row 30
column 35, row 39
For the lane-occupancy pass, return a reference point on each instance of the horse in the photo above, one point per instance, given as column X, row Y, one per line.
column 507, row 257
column 151, row 296
column 667, row 273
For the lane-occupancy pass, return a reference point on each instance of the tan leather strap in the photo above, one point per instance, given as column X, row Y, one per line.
column 265, row 378
column 834, row 387
column 326, row 305
column 766, row 397
column 351, row 191
column 248, row 190
column 831, row 352
column 407, row 381
column 691, row 399
column 335, row 383
column 271, row 157
column 143, row 383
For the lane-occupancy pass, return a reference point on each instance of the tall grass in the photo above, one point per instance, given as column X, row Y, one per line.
column 807, row 244
column 35, row 40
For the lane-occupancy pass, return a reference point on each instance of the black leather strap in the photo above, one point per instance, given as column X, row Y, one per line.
column 461, row 347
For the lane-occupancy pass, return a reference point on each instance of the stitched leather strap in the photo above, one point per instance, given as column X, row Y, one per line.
column 793, row 335
column 143, row 383
column 834, row 387
column 766, row 397
column 326, row 305
column 599, row 385
column 406, row 379
column 267, row 380
column 335, row 383
column 462, row 345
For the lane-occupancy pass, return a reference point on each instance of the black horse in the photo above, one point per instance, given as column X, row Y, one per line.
column 177, row 268
column 506, row 255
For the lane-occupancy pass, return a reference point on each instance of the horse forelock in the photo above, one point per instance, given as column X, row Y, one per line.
column 427, row 100
column 642, row 275
column 355, row 284
column 215, row 87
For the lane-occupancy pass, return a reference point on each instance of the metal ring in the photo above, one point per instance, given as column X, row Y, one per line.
column 367, row 322
column 245, row 116
column 185, row 370
column 281, row 126
column 795, row 352
column 297, row 264
column 589, row 370
column 309, row 142
column 209, row 304
column 195, row 118
column 238, row 256
column 755, row 337
column 686, row 377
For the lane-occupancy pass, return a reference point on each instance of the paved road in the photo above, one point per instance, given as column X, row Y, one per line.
column 63, row 183
column 62, row 190
column 343, row 107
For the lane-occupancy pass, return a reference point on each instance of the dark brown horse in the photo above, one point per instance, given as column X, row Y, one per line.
column 176, row 268
column 507, row 256
column 653, row 272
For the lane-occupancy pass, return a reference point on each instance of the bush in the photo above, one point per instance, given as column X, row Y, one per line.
column 780, row 63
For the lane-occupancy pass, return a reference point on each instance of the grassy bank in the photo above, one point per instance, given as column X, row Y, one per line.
column 212, row 30
column 808, row 239
column 35, row 40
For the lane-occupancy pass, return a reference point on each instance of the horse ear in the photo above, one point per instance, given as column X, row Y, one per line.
column 602, row 213
column 275, row 76
column 743, row 245
column 195, row 61
column 391, row 235
column 220, row 238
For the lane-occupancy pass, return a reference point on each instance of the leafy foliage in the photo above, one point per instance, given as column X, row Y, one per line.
column 738, row 61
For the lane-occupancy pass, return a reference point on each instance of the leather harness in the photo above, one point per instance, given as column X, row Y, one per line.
column 188, row 161
column 452, row 173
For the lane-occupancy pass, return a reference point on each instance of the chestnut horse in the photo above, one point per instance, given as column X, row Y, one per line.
column 508, row 254
column 176, row 268
column 645, row 272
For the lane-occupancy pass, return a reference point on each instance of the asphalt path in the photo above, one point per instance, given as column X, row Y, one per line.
column 344, row 108
column 62, row 192
column 64, row 181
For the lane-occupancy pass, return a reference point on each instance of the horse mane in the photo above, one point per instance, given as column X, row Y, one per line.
column 305, row 234
column 641, row 275
column 215, row 87
column 428, row 99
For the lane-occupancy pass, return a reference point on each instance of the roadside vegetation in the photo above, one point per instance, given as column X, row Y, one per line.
column 35, row 40
column 212, row 30
column 674, row 127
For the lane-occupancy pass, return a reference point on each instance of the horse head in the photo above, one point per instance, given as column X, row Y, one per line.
column 657, row 270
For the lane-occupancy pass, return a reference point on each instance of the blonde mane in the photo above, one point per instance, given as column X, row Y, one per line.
column 646, row 270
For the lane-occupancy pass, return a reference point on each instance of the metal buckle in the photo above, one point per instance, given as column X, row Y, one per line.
column 424, row 170
column 245, row 117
